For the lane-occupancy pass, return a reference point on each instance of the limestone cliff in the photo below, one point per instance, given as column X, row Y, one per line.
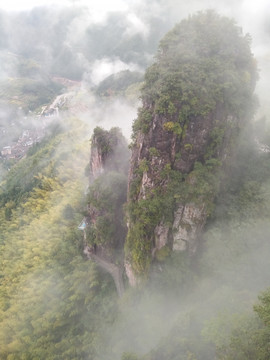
column 196, row 98
column 109, row 152
column 105, row 230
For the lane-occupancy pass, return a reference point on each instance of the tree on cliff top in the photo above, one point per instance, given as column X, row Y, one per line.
column 203, row 61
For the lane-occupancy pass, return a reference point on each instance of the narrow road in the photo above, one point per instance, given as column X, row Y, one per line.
column 115, row 271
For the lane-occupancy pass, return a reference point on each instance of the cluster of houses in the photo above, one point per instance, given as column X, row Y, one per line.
column 31, row 137
column 25, row 141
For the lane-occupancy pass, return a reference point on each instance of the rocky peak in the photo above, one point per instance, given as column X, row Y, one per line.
column 196, row 97
column 105, row 232
column 109, row 152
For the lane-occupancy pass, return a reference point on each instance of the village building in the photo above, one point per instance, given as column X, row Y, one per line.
column 6, row 151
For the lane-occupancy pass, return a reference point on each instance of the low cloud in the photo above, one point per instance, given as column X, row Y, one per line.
column 136, row 26
column 102, row 68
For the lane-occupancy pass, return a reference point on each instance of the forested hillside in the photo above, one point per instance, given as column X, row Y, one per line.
column 50, row 294
column 92, row 263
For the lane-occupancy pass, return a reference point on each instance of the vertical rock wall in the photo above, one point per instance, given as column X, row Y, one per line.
column 105, row 232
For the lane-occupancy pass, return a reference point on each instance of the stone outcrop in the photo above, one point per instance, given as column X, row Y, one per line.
column 189, row 214
column 108, row 152
column 105, row 230
column 186, row 130
column 189, row 220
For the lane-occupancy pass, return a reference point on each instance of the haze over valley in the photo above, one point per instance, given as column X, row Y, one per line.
column 134, row 180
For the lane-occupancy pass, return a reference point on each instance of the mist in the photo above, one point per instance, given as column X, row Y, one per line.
column 65, row 53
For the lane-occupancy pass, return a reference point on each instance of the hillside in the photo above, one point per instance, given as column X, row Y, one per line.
column 154, row 251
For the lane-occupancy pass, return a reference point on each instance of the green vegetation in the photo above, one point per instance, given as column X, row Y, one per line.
column 174, row 127
column 153, row 152
column 106, row 140
column 27, row 93
column 29, row 173
column 106, row 197
column 51, row 298
column 203, row 63
column 143, row 122
column 55, row 304
column 25, row 85
column 146, row 214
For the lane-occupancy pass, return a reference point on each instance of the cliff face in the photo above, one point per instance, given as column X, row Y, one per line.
column 163, row 150
column 105, row 232
column 109, row 152
column 196, row 98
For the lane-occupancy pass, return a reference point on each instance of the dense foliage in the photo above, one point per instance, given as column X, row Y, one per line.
column 204, row 62
column 106, row 197
column 42, row 269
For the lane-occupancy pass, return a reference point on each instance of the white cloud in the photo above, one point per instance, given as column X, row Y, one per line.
column 18, row 5
column 136, row 25
column 105, row 67
column 98, row 8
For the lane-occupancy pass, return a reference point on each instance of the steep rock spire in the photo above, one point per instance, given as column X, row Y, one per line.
column 105, row 231
column 196, row 97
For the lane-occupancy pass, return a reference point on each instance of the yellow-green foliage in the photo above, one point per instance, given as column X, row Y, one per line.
column 47, row 288
column 174, row 127
column 188, row 146
column 153, row 152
